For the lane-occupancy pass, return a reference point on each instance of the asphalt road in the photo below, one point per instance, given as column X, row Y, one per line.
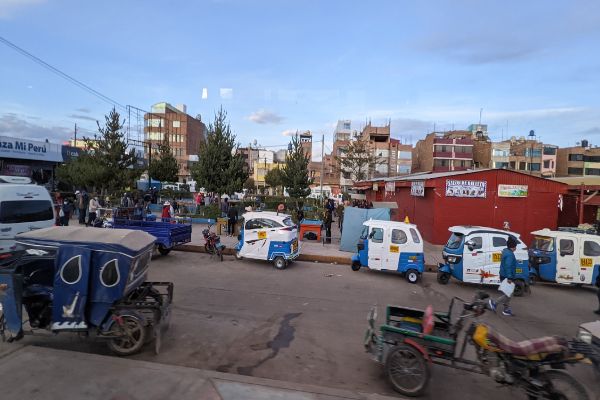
column 306, row 324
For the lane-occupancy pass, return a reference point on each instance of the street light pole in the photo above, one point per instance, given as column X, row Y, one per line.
column 532, row 138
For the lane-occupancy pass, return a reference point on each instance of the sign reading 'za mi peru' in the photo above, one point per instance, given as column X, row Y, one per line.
column 456, row 188
column 29, row 149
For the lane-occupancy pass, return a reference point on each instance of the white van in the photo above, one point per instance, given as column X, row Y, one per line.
column 23, row 207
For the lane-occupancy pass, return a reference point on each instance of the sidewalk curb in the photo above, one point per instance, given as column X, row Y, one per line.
column 194, row 248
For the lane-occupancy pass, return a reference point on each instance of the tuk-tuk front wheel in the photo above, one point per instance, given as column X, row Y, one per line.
column 407, row 370
column 355, row 265
column 133, row 338
column 443, row 278
column 280, row 262
column 163, row 250
column 412, row 276
column 520, row 288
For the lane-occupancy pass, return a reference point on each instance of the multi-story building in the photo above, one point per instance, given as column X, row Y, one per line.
column 392, row 157
column 578, row 161
column 524, row 155
column 448, row 151
column 183, row 132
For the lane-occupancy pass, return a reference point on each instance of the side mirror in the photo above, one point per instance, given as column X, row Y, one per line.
column 470, row 244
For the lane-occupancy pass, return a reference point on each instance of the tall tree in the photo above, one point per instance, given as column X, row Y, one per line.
column 163, row 166
column 274, row 178
column 295, row 172
column 220, row 166
column 107, row 164
column 358, row 161
column 250, row 185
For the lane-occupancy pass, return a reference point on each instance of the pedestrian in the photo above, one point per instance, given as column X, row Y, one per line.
column 167, row 212
column 232, row 216
column 508, row 267
column 65, row 212
column 82, row 205
column 327, row 220
column 300, row 213
column 340, row 214
column 280, row 208
column 224, row 207
column 92, row 209
column 207, row 200
column 598, row 294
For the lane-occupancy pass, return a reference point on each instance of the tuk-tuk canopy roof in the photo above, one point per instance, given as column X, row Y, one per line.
column 385, row 224
column 561, row 234
column 265, row 214
column 104, row 239
column 468, row 229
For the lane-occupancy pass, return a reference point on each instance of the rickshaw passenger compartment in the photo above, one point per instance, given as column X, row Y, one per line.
column 410, row 320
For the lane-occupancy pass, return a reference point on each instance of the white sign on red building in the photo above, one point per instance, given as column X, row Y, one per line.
column 417, row 188
column 456, row 188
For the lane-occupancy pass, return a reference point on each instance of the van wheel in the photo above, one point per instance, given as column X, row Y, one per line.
column 412, row 276
column 520, row 288
column 443, row 278
column 356, row 265
column 279, row 262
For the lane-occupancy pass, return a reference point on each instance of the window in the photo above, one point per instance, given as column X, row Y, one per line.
column 288, row 222
column 533, row 153
column 383, row 153
column 346, row 175
column 549, row 151
column 477, row 242
column 109, row 273
column 592, row 171
column 441, row 162
column 405, row 155
column 376, row 235
column 499, row 241
column 591, row 158
column 542, row 243
column 500, row 165
column 346, row 125
column 513, row 165
column 382, row 168
column 254, row 224
column 534, row 166
column 176, row 124
column 575, row 171
column 454, row 241
column 415, row 235
column 398, row 236
column 365, row 231
column 575, row 157
column 404, row 169
column 463, row 149
column 18, row 211
column 566, row 247
column 522, row 166
column 591, row 249
column 546, row 163
column 155, row 122
column 71, row 270
column 269, row 223
column 500, row 153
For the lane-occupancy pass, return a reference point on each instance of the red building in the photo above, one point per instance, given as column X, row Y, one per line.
column 488, row 197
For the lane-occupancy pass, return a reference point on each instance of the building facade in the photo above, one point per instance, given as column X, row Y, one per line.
column 525, row 155
column 580, row 160
column 443, row 152
column 183, row 132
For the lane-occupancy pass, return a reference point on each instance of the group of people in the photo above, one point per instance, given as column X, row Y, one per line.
column 84, row 205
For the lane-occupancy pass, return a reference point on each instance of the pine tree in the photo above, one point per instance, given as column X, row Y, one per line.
column 164, row 167
column 220, row 166
column 358, row 160
column 274, row 178
column 295, row 172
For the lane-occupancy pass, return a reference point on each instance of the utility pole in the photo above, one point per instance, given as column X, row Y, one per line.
column 322, row 160
column 75, row 135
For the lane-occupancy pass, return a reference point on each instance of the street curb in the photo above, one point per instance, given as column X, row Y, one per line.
column 194, row 248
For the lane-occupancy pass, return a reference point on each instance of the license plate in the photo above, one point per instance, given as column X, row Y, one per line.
column 496, row 257
column 586, row 262
column 262, row 234
column 394, row 249
column 294, row 245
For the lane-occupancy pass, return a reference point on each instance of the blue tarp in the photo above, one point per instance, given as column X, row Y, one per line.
column 353, row 220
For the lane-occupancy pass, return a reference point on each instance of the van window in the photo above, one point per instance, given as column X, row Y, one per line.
column 566, row 247
column 398, row 236
column 18, row 211
column 269, row 223
column 543, row 243
column 498, row 241
column 415, row 236
column 377, row 235
column 477, row 242
column 365, row 232
column 254, row 224
column 591, row 249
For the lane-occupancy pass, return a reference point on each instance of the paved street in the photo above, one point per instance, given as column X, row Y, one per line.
column 306, row 324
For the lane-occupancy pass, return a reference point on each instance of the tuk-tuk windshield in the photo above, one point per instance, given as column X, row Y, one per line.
column 288, row 222
column 455, row 240
column 543, row 243
column 365, row 232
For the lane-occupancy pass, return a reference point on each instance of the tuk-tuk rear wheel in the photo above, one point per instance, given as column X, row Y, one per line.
column 133, row 339
column 443, row 278
column 355, row 265
column 412, row 276
column 280, row 262
column 407, row 370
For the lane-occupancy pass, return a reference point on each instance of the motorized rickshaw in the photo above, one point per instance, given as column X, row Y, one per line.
column 473, row 255
column 565, row 256
column 410, row 340
column 84, row 280
column 391, row 246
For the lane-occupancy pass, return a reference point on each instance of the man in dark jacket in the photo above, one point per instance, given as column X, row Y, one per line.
column 508, row 269
column 232, row 216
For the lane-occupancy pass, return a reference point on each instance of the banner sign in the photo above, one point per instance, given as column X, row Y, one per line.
column 417, row 188
column 512, row 190
column 16, row 170
column 30, row 150
column 390, row 187
column 465, row 188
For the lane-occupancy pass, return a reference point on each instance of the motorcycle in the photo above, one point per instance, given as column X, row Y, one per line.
column 411, row 340
column 212, row 243
column 589, row 332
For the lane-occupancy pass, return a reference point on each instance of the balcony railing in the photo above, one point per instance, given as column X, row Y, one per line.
column 459, row 168
column 440, row 168
column 442, row 141
column 442, row 154
column 468, row 156
column 463, row 141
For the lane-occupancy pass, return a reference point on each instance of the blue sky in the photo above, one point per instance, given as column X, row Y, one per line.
column 298, row 65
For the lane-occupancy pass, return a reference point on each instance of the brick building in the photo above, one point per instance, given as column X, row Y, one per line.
column 580, row 160
column 183, row 132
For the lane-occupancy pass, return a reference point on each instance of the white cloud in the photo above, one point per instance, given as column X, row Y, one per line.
column 17, row 126
column 289, row 132
column 8, row 7
column 265, row 117
column 226, row 93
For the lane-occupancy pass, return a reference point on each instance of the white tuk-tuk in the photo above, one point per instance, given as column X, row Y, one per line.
column 268, row 236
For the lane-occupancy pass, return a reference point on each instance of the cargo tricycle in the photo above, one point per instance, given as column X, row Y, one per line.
column 411, row 340
column 87, row 281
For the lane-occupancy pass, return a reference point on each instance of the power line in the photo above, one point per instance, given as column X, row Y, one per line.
column 62, row 74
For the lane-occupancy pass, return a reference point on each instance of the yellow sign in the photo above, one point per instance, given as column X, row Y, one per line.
column 262, row 234
column 394, row 249
column 519, row 270
column 496, row 257
column 586, row 262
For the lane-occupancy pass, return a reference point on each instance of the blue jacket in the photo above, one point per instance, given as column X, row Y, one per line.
column 508, row 264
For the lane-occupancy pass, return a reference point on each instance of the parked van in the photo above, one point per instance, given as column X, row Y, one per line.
column 23, row 207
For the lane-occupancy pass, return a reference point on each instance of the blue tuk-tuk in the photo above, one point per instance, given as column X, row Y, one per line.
column 473, row 253
column 76, row 279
